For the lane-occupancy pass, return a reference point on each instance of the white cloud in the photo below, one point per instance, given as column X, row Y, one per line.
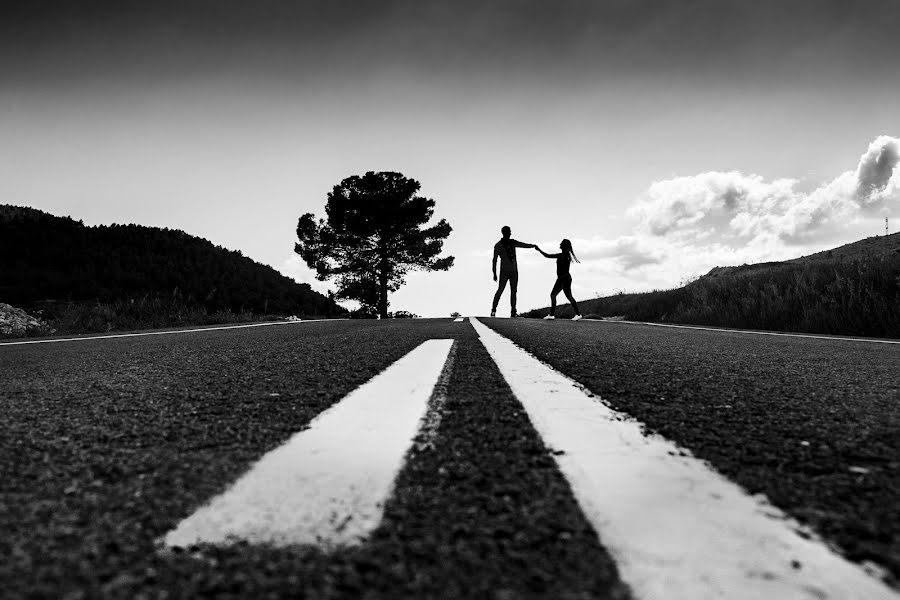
column 710, row 203
column 735, row 209
column 622, row 254
column 687, row 225
column 878, row 175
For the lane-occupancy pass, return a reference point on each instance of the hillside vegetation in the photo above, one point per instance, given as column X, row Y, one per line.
column 851, row 290
column 101, row 278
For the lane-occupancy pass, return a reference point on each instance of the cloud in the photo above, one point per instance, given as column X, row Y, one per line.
column 625, row 253
column 687, row 225
column 877, row 176
column 707, row 204
column 735, row 209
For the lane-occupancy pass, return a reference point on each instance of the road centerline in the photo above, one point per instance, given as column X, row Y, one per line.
column 328, row 483
column 676, row 528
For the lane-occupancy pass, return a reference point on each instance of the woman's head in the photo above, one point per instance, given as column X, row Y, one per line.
column 566, row 246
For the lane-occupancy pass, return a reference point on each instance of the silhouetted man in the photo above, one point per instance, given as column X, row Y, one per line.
column 505, row 250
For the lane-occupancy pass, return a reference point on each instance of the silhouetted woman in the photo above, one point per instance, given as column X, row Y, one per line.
column 563, row 277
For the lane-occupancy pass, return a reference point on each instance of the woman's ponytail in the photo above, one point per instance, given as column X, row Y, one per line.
column 567, row 247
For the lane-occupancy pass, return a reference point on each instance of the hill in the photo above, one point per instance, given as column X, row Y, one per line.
column 48, row 263
column 873, row 248
column 850, row 290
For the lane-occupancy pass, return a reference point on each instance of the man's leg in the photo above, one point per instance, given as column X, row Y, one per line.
column 500, row 287
column 513, row 284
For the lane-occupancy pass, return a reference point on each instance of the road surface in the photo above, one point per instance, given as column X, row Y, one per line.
column 123, row 458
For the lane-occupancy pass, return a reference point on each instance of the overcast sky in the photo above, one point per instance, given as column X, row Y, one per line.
column 663, row 138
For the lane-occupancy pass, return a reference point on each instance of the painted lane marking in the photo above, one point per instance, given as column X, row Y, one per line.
column 124, row 335
column 677, row 529
column 458, row 320
column 751, row 332
column 426, row 438
column 327, row 484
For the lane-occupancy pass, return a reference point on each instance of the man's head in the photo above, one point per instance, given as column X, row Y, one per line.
column 506, row 231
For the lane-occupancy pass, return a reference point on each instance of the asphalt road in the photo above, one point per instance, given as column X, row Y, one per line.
column 814, row 424
column 105, row 445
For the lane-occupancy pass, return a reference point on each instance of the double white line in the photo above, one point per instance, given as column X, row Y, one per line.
column 677, row 529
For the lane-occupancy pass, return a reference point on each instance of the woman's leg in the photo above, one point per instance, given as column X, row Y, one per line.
column 567, row 288
column 557, row 288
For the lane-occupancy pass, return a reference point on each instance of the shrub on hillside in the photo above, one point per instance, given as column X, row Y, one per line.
column 129, row 314
column 842, row 296
column 15, row 322
column 648, row 306
column 43, row 256
column 856, row 297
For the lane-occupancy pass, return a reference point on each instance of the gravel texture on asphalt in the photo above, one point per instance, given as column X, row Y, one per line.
column 106, row 445
column 813, row 424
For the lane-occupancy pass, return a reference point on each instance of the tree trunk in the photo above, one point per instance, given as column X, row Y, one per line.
column 382, row 289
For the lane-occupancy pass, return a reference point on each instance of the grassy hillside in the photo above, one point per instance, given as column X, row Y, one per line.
column 129, row 276
column 851, row 290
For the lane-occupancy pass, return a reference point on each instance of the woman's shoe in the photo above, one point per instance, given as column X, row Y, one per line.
column 577, row 318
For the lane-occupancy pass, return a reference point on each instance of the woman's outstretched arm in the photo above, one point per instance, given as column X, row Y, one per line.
column 545, row 254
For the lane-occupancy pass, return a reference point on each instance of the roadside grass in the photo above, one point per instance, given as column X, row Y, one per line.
column 855, row 297
column 842, row 296
column 130, row 314
column 646, row 306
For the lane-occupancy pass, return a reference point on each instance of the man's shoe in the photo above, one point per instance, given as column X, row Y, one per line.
column 549, row 317
column 577, row 318
column 493, row 313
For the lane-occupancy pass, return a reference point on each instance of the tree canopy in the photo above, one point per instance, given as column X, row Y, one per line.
column 374, row 234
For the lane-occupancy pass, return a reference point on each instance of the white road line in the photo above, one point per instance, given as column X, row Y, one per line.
column 124, row 335
column 458, row 320
column 751, row 332
column 327, row 484
column 431, row 422
column 677, row 529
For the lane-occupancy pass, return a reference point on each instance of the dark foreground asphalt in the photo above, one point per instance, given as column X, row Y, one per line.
column 105, row 445
column 813, row 424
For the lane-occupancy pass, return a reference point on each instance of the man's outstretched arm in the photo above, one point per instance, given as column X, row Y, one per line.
column 519, row 244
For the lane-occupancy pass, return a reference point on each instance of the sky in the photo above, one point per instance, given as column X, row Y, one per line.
column 662, row 138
